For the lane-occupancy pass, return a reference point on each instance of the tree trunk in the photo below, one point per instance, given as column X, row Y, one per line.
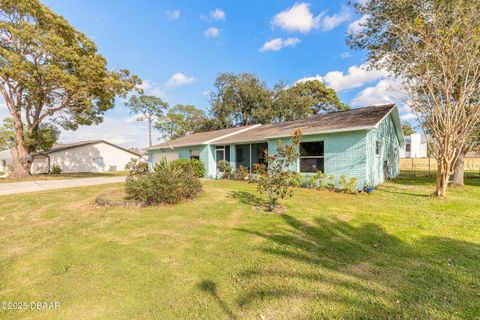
column 459, row 171
column 442, row 179
column 21, row 167
column 149, row 133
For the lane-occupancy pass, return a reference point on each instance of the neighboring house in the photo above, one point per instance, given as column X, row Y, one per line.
column 415, row 146
column 83, row 156
column 6, row 161
column 362, row 143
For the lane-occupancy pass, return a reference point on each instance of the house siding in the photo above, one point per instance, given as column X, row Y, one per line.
column 345, row 153
column 389, row 151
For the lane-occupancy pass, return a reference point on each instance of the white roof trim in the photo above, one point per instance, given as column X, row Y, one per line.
column 231, row 134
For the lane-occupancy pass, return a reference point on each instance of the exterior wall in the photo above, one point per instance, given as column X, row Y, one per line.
column 389, row 152
column 345, row 153
column 5, row 160
column 39, row 165
column 418, row 146
column 99, row 157
column 154, row 156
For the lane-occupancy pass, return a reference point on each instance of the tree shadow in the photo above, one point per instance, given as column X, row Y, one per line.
column 435, row 277
column 248, row 198
column 210, row 288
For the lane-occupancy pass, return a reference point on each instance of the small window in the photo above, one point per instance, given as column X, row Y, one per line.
column 377, row 147
column 408, row 147
column 311, row 157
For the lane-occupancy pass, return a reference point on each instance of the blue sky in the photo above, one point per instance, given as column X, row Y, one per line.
column 179, row 47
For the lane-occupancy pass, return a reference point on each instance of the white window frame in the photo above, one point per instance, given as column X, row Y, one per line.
column 311, row 157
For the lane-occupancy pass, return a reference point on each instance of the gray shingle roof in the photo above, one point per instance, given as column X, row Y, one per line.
column 350, row 120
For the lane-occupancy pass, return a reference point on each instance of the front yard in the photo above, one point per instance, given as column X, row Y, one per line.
column 397, row 253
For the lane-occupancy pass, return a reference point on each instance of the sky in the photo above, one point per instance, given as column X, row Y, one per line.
column 179, row 47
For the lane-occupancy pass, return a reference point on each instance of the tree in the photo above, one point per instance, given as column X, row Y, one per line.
column 181, row 120
column 42, row 139
column 473, row 144
column 434, row 47
column 245, row 99
column 7, row 134
column 240, row 100
column 149, row 108
column 407, row 128
column 276, row 179
column 50, row 71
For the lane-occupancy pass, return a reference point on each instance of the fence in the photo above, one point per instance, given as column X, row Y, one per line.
column 428, row 166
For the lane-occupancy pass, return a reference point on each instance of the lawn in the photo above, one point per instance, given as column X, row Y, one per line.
column 63, row 176
column 397, row 253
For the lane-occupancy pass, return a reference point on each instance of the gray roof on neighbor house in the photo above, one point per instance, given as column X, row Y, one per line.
column 65, row 146
column 350, row 120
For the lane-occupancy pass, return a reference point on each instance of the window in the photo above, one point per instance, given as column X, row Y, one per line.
column 377, row 147
column 220, row 153
column 194, row 154
column 408, row 147
column 311, row 157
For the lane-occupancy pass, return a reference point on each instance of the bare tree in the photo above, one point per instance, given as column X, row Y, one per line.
column 434, row 46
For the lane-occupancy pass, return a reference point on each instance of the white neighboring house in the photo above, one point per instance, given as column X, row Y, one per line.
column 415, row 146
column 83, row 156
column 6, row 161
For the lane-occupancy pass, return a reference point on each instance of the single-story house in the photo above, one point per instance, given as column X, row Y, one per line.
column 415, row 146
column 363, row 143
column 83, row 156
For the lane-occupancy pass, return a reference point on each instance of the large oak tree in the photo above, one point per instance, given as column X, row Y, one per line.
column 51, row 72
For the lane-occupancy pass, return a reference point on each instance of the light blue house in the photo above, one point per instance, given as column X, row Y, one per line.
column 362, row 143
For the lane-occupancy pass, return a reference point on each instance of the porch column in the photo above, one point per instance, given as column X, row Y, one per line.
column 250, row 158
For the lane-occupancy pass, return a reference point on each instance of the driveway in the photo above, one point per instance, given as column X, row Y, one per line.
column 41, row 185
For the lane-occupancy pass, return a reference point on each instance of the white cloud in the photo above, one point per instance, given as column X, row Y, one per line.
column 408, row 116
column 357, row 25
column 218, row 14
column 173, row 14
column 279, row 43
column 297, row 18
column 387, row 90
column 305, row 79
column 212, row 32
column 329, row 22
column 345, row 55
column 152, row 88
column 179, row 79
column 124, row 132
column 355, row 77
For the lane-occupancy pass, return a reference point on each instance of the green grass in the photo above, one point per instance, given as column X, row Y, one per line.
column 395, row 254
column 64, row 176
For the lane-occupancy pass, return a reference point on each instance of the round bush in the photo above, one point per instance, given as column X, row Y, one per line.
column 166, row 184
column 197, row 166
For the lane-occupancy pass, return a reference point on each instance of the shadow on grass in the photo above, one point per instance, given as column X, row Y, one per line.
column 366, row 271
column 210, row 288
column 248, row 198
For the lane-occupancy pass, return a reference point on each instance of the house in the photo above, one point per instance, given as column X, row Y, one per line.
column 415, row 146
column 363, row 143
column 83, row 156
column 5, row 161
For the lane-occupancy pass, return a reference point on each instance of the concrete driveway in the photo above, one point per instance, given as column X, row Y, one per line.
column 41, row 185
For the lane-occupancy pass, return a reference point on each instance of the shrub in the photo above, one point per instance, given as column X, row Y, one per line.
column 331, row 182
column 167, row 183
column 349, row 186
column 136, row 166
column 241, row 173
column 56, row 169
column 195, row 165
column 225, row 169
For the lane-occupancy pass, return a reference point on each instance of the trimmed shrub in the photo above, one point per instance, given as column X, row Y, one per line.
column 225, row 169
column 241, row 173
column 195, row 165
column 56, row 169
column 167, row 183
